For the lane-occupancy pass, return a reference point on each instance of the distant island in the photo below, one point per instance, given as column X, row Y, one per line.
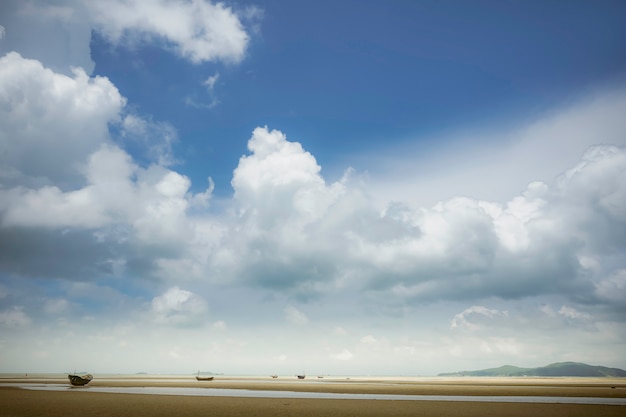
column 554, row 369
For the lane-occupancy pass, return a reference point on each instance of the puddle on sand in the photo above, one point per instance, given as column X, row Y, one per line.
column 222, row 392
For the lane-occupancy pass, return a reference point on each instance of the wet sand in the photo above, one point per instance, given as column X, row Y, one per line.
column 19, row 402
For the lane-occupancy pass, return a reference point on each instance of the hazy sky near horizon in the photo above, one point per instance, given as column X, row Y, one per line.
column 353, row 187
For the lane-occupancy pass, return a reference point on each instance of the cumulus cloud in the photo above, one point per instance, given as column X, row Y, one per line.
column 178, row 307
column 531, row 245
column 58, row 32
column 198, row 30
column 279, row 197
column 291, row 225
column 293, row 232
column 51, row 122
column 150, row 200
column 59, row 159
column 79, row 201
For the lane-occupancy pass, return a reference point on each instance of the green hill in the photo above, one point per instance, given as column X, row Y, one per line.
column 554, row 369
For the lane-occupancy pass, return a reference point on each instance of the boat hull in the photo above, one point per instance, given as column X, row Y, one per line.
column 79, row 380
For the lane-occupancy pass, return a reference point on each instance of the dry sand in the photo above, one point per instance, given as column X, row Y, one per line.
column 18, row 402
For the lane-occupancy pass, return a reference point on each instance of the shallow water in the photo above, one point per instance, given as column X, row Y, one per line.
column 222, row 392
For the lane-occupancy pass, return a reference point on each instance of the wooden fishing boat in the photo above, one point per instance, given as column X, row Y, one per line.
column 203, row 378
column 79, row 380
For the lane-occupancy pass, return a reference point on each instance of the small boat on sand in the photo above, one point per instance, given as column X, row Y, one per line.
column 79, row 380
column 302, row 376
column 203, row 378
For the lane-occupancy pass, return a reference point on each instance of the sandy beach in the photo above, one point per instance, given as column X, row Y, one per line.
column 18, row 401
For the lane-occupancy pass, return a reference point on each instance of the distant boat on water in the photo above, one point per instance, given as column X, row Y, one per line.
column 79, row 380
column 302, row 376
column 274, row 376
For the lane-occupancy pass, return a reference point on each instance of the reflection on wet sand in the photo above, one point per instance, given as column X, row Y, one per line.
column 225, row 392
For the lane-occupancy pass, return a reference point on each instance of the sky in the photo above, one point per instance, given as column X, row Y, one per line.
column 340, row 188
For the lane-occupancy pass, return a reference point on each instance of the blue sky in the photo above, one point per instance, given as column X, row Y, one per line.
column 347, row 78
column 345, row 187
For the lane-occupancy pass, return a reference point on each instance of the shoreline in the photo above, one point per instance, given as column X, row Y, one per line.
column 126, row 402
column 476, row 386
column 22, row 402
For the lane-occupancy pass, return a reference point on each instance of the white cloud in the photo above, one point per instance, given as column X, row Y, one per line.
column 178, row 307
column 496, row 163
column 275, row 165
column 613, row 287
column 198, row 30
column 295, row 316
column 69, row 191
column 58, row 32
column 278, row 187
column 597, row 178
column 197, row 104
column 296, row 233
column 470, row 317
column 344, row 355
column 369, row 340
column 280, row 198
column 59, row 159
column 572, row 313
column 14, row 318
column 292, row 225
column 51, row 122
column 210, row 82
column 156, row 138
column 152, row 201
